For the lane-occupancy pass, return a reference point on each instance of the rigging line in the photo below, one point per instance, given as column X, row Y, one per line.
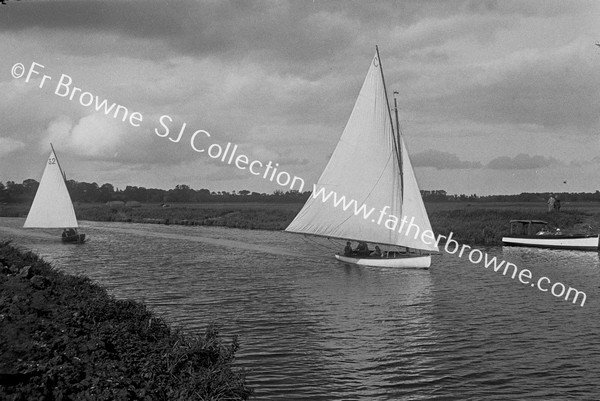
column 307, row 238
column 378, row 179
column 58, row 163
column 400, row 154
column 387, row 101
column 336, row 243
column 367, row 196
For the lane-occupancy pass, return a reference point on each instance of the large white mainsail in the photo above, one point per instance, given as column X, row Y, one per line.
column 52, row 206
column 365, row 167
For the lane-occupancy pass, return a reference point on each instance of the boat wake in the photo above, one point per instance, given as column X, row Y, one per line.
column 213, row 241
column 100, row 231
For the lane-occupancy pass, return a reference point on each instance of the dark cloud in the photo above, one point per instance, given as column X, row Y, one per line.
column 522, row 161
column 139, row 18
column 441, row 160
column 545, row 90
column 296, row 31
column 293, row 33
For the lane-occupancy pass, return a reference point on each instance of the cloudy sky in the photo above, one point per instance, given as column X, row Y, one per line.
column 495, row 96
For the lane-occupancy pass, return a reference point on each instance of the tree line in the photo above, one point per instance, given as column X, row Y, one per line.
column 85, row 192
column 13, row 192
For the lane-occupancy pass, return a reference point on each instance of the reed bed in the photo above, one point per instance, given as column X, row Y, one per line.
column 482, row 223
column 264, row 217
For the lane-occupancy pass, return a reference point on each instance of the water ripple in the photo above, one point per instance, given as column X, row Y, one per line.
column 312, row 328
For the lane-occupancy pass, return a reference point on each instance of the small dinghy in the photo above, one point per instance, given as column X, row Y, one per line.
column 52, row 206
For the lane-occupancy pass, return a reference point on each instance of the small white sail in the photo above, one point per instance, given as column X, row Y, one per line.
column 364, row 167
column 52, row 206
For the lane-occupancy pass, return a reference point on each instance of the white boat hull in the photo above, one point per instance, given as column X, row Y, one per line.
column 577, row 242
column 404, row 262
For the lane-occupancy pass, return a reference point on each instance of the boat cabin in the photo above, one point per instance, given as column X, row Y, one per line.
column 528, row 227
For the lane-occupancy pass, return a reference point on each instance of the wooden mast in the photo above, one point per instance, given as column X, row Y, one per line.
column 57, row 162
column 399, row 143
column 395, row 135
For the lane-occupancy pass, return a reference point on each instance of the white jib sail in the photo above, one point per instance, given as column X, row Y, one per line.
column 52, row 206
column 364, row 167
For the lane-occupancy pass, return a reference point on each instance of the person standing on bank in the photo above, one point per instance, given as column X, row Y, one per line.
column 551, row 202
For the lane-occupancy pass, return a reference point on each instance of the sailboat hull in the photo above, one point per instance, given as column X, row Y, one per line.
column 403, row 262
column 74, row 239
column 576, row 242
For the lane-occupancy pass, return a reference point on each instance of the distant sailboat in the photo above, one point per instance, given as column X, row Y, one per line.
column 52, row 206
column 371, row 165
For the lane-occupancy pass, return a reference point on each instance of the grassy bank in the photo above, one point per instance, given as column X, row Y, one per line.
column 263, row 216
column 247, row 215
column 476, row 223
column 63, row 337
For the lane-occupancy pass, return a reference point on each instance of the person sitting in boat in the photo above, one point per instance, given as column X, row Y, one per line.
column 69, row 232
column 377, row 252
column 362, row 249
column 348, row 249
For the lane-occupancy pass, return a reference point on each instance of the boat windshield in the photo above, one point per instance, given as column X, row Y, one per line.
column 528, row 227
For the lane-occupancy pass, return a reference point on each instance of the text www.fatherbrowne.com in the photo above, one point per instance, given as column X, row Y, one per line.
column 66, row 88
column 452, row 247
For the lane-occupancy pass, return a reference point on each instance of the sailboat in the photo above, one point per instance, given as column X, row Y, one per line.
column 371, row 166
column 52, row 206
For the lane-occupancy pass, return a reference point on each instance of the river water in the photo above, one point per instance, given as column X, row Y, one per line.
column 312, row 328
